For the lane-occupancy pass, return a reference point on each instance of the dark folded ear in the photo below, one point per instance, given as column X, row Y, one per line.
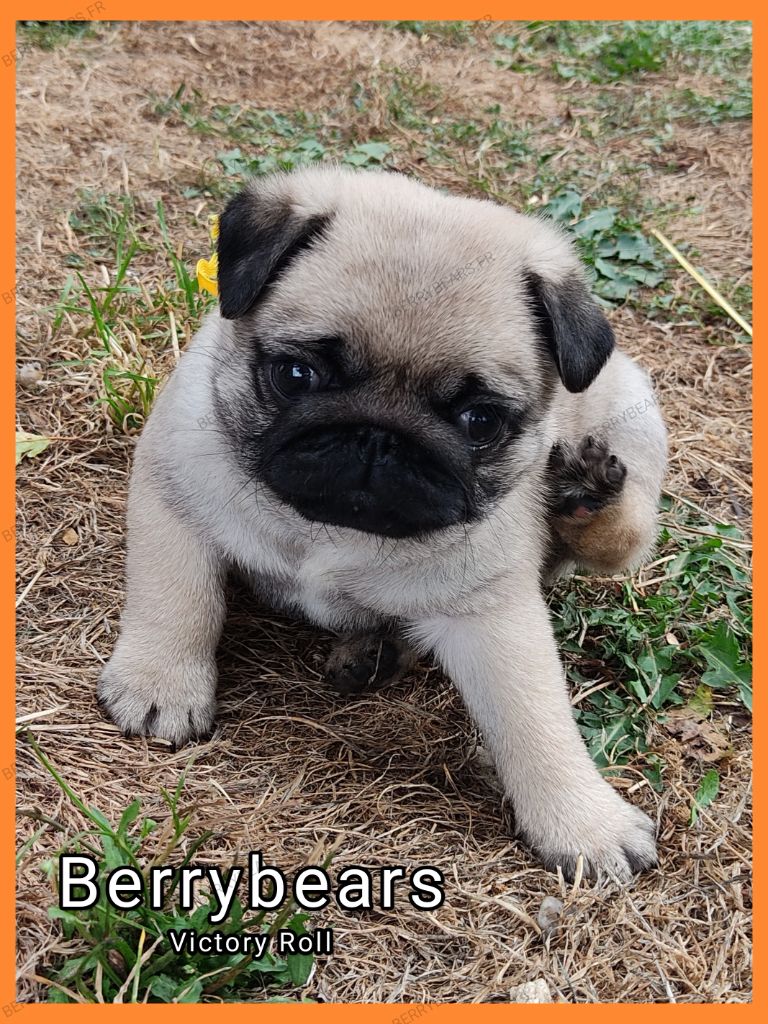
column 258, row 238
column 577, row 334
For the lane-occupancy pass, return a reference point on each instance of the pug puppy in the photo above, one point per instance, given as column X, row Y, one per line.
column 405, row 416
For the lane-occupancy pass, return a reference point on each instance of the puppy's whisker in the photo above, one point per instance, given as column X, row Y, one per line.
column 207, row 455
column 328, row 534
column 392, row 550
column 238, row 492
column 203, row 430
column 518, row 522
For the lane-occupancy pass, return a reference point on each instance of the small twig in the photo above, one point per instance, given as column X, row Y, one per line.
column 701, row 280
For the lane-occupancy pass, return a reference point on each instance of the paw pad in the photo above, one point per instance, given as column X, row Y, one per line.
column 584, row 479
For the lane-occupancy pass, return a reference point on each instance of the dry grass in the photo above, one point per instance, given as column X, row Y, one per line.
column 397, row 777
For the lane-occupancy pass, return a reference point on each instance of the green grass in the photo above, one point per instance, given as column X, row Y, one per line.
column 104, row 221
column 256, row 142
column 124, row 955
column 47, row 35
column 682, row 642
column 695, row 305
column 602, row 52
column 451, row 33
column 656, row 115
column 130, row 323
column 621, row 256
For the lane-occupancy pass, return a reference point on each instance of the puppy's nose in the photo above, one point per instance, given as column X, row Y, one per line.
column 375, row 446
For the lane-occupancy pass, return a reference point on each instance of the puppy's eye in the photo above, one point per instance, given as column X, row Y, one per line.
column 482, row 424
column 292, row 379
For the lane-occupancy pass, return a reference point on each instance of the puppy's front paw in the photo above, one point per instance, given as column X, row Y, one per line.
column 585, row 479
column 176, row 702
column 614, row 838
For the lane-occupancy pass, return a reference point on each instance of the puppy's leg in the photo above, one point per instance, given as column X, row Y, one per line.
column 600, row 519
column 161, row 678
column 504, row 662
column 368, row 661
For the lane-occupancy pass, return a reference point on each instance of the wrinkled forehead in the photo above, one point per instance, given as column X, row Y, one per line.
column 438, row 293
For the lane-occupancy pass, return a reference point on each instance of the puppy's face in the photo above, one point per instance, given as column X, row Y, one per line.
column 396, row 349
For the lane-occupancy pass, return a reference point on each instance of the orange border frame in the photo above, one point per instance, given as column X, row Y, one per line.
column 299, row 10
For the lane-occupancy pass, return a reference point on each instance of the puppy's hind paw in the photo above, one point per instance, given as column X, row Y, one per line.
column 584, row 479
column 367, row 661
